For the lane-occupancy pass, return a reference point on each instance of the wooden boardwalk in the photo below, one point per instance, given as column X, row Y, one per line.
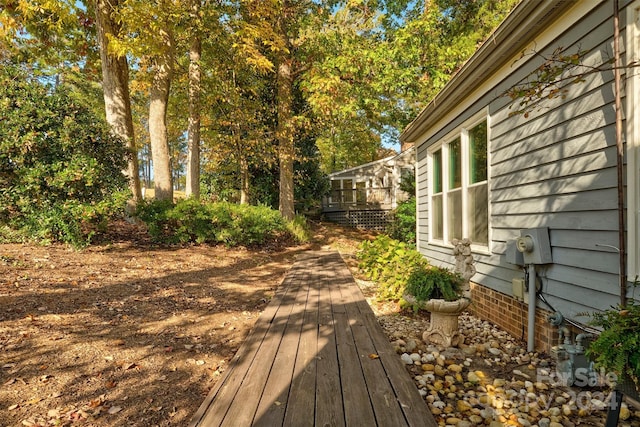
column 316, row 357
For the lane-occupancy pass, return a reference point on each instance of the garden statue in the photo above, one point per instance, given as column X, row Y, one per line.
column 443, row 327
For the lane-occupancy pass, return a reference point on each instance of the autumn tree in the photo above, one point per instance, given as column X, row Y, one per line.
column 195, row 80
column 148, row 35
column 115, row 85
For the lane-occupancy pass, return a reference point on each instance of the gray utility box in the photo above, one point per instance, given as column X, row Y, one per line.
column 534, row 245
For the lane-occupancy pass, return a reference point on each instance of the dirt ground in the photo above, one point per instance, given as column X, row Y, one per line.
column 128, row 333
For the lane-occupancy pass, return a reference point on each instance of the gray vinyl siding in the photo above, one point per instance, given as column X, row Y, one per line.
column 555, row 168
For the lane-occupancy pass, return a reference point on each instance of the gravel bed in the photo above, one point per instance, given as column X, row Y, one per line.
column 491, row 380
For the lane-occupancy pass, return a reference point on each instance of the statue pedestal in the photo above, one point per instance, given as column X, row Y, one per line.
column 443, row 329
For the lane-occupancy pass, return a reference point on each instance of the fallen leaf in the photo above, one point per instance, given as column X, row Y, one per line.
column 12, row 407
column 10, row 381
column 374, row 356
column 118, row 342
column 128, row 366
column 114, row 410
column 110, row 384
column 33, row 401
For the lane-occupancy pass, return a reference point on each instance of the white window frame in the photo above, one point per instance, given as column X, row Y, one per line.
column 443, row 144
column 633, row 141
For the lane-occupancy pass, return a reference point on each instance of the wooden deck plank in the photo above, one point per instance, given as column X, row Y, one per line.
column 415, row 410
column 357, row 406
column 383, row 398
column 273, row 402
column 329, row 406
column 227, row 386
column 303, row 387
column 244, row 405
column 309, row 352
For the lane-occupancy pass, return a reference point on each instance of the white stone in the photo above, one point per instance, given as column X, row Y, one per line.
column 439, row 404
column 406, row 359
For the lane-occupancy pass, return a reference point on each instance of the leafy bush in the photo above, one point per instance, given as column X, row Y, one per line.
column 193, row 221
column 617, row 348
column 403, row 223
column 299, row 229
column 390, row 263
column 403, row 219
column 60, row 168
column 433, row 282
column 156, row 214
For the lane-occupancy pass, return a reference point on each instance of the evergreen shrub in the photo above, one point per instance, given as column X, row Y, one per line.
column 60, row 168
column 195, row 221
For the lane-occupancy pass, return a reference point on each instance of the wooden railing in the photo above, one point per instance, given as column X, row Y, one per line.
column 359, row 198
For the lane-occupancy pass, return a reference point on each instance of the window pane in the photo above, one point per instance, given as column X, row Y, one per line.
column 437, row 217
column 454, row 214
column 478, row 214
column 347, row 186
column 455, row 164
column 361, row 193
column 336, row 191
column 478, row 153
column 437, row 171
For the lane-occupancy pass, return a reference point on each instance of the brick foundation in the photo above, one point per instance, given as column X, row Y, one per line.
column 511, row 315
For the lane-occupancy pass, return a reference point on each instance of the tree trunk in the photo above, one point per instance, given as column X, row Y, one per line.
column 284, row 134
column 244, row 181
column 115, row 85
column 193, row 140
column 163, row 64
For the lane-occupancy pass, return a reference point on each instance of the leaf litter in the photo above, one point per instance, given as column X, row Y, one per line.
column 127, row 333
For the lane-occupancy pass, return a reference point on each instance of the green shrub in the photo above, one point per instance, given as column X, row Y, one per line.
column 299, row 229
column 60, row 168
column 403, row 222
column 253, row 225
column 155, row 214
column 390, row 263
column 191, row 220
column 617, row 348
column 431, row 282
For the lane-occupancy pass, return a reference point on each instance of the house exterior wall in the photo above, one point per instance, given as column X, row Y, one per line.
column 554, row 168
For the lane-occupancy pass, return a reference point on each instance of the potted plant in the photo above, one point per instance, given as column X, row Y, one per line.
column 439, row 291
column 617, row 348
